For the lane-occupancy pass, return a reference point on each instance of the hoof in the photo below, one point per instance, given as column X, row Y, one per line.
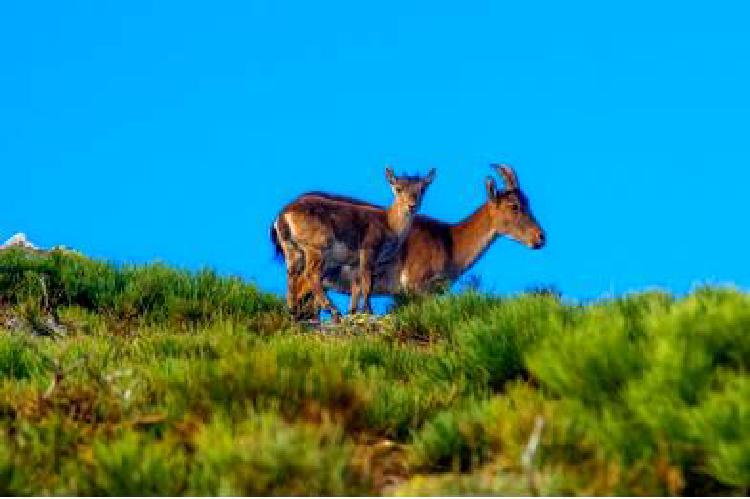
column 314, row 322
column 302, row 314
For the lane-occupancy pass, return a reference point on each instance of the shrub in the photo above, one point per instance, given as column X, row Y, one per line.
column 494, row 342
column 17, row 359
column 437, row 317
column 131, row 465
column 151, row 293
column 722, row 426
column 264, row 456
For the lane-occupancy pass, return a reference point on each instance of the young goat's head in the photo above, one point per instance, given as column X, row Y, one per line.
column 408, row 190
column 510, row 210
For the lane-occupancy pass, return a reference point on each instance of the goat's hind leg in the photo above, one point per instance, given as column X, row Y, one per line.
column 300, row 299
column 296, row 288
column 313, row 277
column 305, row 307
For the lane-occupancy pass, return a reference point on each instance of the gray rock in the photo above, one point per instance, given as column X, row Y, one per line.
column 19, row 240
column 13, row 323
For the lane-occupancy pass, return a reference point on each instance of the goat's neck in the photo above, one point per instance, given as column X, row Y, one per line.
column 399, row 220
column 471, row 238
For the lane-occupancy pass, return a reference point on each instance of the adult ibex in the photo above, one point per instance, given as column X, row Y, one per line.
column 437, row 252
column 318, row 233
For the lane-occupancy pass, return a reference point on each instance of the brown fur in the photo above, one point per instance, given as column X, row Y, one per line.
column 319, row 232
column 437, row 252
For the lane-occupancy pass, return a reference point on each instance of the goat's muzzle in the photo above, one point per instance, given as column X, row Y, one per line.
column 541, row 240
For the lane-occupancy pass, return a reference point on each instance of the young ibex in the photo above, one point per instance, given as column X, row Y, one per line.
column 437, row 252
column 319, row 232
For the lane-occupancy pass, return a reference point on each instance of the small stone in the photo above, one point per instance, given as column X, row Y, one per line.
column 19, row 240
column 13, row 323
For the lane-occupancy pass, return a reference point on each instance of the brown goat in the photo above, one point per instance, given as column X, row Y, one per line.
column 437, row 252
column 318, row 232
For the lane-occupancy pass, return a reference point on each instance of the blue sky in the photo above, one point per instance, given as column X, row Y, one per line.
column 140, row 131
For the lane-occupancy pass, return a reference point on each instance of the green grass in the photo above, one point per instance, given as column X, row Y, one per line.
column 151, row 294
column 172, row 382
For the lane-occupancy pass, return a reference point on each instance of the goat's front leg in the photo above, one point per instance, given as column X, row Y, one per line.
column 292, row 285
column 365, row 277
column 355, row 290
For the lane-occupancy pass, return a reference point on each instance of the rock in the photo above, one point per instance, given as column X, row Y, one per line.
column 41, row 325
column 19, row 241
column 50, row 327
column 13, row 324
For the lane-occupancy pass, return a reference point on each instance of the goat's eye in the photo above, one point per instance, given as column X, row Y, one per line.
column 514, row 208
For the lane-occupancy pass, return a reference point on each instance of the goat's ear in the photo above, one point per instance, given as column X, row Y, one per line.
column 389, row 175
column 491, row 188
column 429, row 178
column 505, row 171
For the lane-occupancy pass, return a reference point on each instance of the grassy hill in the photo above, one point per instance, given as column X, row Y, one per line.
column 148, row 380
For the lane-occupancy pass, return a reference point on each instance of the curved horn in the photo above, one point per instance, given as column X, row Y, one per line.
column 506, row 171
column 489, row 183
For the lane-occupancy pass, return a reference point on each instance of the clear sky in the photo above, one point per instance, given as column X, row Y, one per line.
column 174, row 130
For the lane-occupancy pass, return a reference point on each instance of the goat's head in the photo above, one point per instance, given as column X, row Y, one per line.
column 510, row 210
column 408, row 190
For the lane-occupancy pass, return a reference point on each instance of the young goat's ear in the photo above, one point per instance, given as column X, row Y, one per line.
column 491, row 188
column 389, row 175
column 505, row 171
column 429, row 178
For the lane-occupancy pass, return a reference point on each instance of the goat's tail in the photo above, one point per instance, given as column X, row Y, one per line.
column 278, row 227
